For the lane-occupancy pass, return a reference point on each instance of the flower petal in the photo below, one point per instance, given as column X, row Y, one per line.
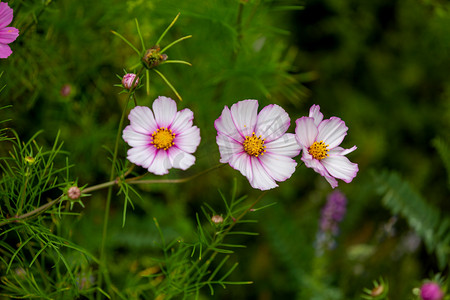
column 279, row 167
column 273, row 121
column 134, row 138
column 340, row 167
column 142, row 120
column 142, row 156
column 165, row 110
column 180, row 159
column 341, row 151
column 5, row 51
column 8, row 35
column 286, row 145
column 261, row 180
column 241, row 162
column 306, row 131
column 228, row 147
column 183, row 120
column 161, row 164
column 332, row 131
column 244, row 114
column 225, row 125
column 314, row 112
column 188, row 140
column 317, row 166
column 6, row 14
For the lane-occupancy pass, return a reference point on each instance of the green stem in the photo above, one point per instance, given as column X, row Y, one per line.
column 221, row 238
column 135, row 180
column 23, row 192
column 109, row 196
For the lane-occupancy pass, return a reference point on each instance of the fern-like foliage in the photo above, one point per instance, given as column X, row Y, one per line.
column 184, row 268
column 425, row 218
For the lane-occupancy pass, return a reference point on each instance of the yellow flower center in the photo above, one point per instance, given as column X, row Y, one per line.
column 254, row 145
column 318, row 150
column 162, row 138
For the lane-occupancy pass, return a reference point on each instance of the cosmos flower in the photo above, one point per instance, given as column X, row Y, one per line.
column 163, row 138
column 256, row 144
column 7, row 34
column 431, row 291
column 320, row 140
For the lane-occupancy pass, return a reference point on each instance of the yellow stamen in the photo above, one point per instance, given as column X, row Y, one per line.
column 254, row 145
column 318, row 150
column 162, row 138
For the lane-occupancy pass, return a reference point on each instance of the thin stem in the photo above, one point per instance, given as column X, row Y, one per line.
column 222, row 236
column 109, row 196
column 23, row 192
column 32, row 213
column 134, row 180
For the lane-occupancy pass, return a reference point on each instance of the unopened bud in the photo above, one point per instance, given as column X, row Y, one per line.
column 74, row 193
column 29, row 159
column 128, row 79
column 153, row 57
column 65, row 90
column 217, row 219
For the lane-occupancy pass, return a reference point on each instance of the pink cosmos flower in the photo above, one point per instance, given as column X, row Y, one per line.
column 7, row 34
column 320, row 140
column 256, row 144
column 163, row 138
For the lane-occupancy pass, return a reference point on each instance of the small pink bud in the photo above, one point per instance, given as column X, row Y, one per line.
column 431, row 291
column 128, row 79
column 65, row 90
column 217, row 219
column 74, row 193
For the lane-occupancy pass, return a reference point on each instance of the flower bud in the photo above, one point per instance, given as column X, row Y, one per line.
column 65, row 90
column 153, row 57
column 431, row 291
column 128, row 79
column 74, row 193
column 217, row 219
column 29, row 160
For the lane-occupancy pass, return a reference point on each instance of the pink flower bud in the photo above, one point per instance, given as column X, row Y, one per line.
column 74, row 193
column 431, row 291
column 65, row 90
column 128, row 79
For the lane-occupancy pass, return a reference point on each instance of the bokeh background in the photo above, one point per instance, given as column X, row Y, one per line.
column 382, row 66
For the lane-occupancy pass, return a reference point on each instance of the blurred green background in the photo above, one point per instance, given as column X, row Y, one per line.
column 382, row 66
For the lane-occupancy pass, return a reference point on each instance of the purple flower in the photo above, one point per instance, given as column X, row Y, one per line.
column 162, row 139
column 333, row 212
column 7, row 34
column 256, row 144
column 128, row 79
column 431, row 291
column 320, row 140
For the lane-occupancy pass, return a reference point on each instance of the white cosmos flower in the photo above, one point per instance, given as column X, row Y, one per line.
column 256, row 144
column 320, row 140
column 163, row 138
